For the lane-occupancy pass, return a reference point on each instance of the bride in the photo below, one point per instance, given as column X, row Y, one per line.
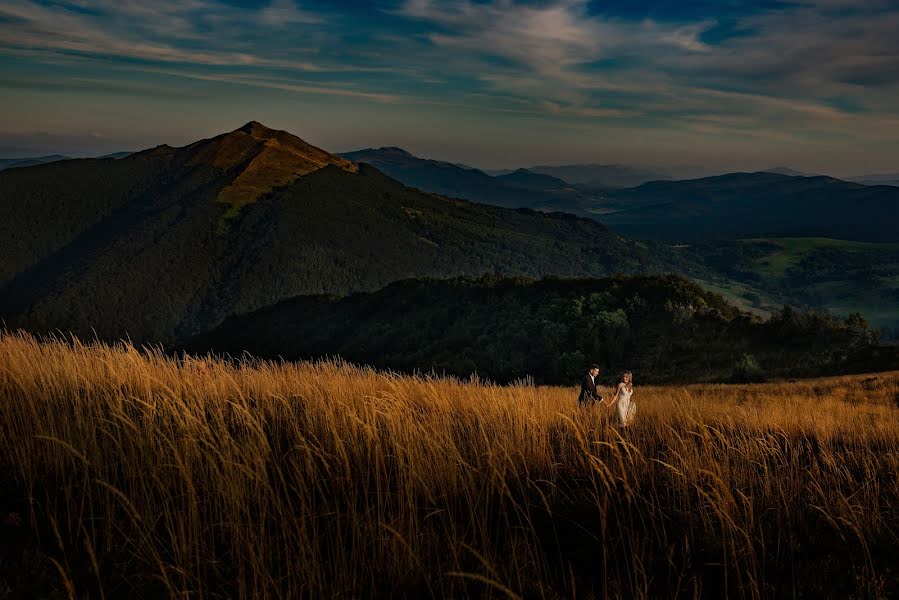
column 627, row 409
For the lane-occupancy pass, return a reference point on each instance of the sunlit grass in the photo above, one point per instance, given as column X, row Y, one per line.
column 139, row 474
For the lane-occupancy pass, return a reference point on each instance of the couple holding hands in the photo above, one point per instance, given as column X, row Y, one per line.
column 626, row 409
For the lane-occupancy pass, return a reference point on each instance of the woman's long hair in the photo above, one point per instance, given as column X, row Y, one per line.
column 621, row 379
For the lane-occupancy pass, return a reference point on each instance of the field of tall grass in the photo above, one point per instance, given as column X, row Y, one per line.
column 128, row 473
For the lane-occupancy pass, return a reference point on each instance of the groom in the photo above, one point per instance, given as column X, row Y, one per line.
column 589, row 396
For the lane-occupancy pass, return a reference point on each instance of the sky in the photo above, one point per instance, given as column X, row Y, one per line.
column 723, row 84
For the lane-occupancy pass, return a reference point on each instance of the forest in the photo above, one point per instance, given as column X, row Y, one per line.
column 664, row 328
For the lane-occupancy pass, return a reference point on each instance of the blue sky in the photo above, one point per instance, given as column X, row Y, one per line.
column 493, row 83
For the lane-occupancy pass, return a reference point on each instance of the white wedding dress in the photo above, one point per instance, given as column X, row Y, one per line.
column 627, row 409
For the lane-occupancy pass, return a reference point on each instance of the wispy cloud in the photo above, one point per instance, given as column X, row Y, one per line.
column 275, row 84
column 551, row 50
column 793, row 63
column 160, row 31
column 284, row 13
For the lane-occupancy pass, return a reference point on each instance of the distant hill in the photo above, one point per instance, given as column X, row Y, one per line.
column 788, row 171
column 662, row 328
column 9, row 163
column 601, row 176
column 746, row 205
column 529, row 179
column 166, row 243
column 882, row 179
column 520, row 189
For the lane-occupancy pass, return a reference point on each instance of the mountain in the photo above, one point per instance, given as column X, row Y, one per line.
column 688, row 171
column 165, row 243
column 788, row 171
column 601, row 176
column 746, row 205
column 662, row 328
column 882, row 179
column 528, row 179
column 9, row 163
column 458, row 181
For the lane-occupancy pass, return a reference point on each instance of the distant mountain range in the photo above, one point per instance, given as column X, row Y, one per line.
column 524, row 178
column 515, row 189
column 9, row 163
column 788, row 171
column 598, row 176
column 747, row 205
column 166, row 243
column 774, row 203
column 882, row 179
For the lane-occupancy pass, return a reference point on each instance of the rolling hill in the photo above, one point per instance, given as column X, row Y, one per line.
column 881, row 179
column 782, row 170
column 166, row 243
column 835, row 275
column 601, row 176
column 750, row 205
column 594, row 176
column 9, row 163
column 529, row 179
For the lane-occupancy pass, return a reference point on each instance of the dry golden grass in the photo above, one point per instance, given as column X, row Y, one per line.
column 135, row 474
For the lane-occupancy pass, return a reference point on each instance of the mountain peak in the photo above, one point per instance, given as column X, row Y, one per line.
column 257, row 129
column 782, row 170
column 261, row 159
column 394, row 150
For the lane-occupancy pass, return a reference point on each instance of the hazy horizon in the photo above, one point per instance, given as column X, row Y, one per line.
column 494, row 84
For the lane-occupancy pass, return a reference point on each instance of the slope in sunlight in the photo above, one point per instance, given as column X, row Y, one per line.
column 263, row 159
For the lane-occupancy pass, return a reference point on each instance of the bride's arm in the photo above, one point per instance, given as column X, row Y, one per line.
column 615, row 398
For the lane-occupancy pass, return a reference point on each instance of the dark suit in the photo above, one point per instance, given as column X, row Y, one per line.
column 588, row 392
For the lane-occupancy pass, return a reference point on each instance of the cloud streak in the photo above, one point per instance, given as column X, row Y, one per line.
column 193, row 32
